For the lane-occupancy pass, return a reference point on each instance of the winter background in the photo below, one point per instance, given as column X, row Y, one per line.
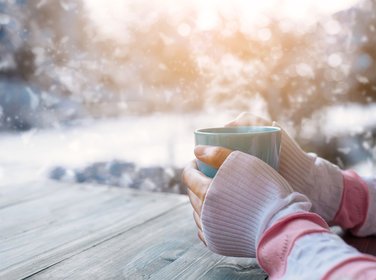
column 110, row 92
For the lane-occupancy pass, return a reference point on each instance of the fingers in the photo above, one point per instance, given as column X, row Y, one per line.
column 197, row 219
column 200, row 233
column 198, row 185
column 195, row 202
column 196, row 182
column 201, row 237
column 212, row 155
column 246, row 119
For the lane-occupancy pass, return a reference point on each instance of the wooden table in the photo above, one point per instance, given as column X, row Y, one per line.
column 52, row 230
column 59, row 231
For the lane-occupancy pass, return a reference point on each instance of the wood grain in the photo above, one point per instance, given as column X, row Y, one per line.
column 162, row 248
column 61, row 232
column 18, row 193
column 58, row 231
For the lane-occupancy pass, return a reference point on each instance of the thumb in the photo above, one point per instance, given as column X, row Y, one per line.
column 212, row 155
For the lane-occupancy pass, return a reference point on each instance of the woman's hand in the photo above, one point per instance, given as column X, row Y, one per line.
column 197, row 183
column 318, row 179
column 244, row 199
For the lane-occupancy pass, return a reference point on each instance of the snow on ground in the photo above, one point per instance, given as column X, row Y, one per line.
column 156, row 140
column 341, row 120
column 345, row 122
column 163, row 140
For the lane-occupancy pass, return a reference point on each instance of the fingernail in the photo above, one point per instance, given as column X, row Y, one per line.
column 200, row 150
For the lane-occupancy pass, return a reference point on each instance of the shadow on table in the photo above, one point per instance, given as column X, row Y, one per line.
column 365, row 245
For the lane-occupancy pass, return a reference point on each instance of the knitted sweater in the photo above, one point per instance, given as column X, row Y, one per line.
column 292, row 243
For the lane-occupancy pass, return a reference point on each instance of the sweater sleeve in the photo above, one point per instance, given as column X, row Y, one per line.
column 369, row 225
column 357, row 268
column 358, row 205
column 300, row 246
column 245, row 197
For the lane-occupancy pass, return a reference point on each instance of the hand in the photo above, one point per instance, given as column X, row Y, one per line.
column 245, row 198
column 197, row 183
column 308, row 174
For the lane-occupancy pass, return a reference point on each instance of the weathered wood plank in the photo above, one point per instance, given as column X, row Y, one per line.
column 84, row 232
column 19, row 193
column 70, row 230
column 163, row 248
column 15, row 220
column 139, row 251
column 65, row 202
column 365, row 245
column 199, row 263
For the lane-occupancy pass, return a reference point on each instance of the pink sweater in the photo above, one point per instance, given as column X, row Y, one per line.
column 300, row 245
column 356, row 213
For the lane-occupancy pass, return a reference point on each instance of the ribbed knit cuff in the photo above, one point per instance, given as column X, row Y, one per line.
column 295, row 164
column 326, row 190
column 353, row 209
column 369, row 225
column 243, row 198
column 318, row 179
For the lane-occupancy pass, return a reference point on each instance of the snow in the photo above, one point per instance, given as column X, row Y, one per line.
column 162, row 140
column 4, row 19
column 158, row 140
column 352, row 126
column 294, row 60
column 350, row 119
column 335, row 60
column 304, row 70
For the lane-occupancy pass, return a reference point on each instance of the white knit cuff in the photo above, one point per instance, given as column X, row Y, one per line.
column 325, row 189
column 318, row 179
column 244, row 198
column 369, row 226
column 295, row 164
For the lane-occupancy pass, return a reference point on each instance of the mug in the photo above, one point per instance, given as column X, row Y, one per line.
column 260, row 141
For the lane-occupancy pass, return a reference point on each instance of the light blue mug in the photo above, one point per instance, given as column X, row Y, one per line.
column 260, row 141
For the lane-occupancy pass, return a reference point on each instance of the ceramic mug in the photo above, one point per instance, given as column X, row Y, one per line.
column 260, row 141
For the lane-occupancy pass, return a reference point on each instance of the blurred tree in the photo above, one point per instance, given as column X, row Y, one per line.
column 168, row 63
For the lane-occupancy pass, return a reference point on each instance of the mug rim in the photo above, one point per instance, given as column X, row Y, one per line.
column 206, row 131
